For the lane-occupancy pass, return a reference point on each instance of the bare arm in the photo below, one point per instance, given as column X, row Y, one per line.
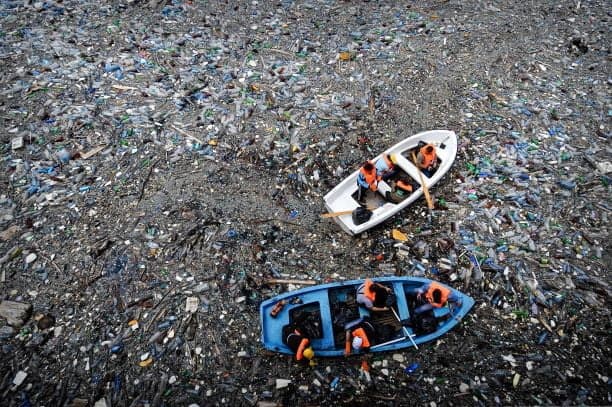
column 385, row 287
column 422, row 290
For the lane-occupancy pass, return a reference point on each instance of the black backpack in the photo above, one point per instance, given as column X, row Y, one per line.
column 361, row 215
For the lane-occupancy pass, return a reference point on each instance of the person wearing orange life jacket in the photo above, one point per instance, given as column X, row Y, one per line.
column 373, row 296
column 385, row 166
column 300, row 345
column 427, row 160
column 359, row 335
column 434, row 295
column 366, row 179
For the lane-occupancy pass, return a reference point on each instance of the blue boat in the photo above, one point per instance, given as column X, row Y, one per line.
column 326, row 310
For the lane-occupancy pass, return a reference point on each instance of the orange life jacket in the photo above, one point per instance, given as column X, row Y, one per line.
column 370, row 177
column 360, row 332
column 303, row 345
column 427, row 159
column 429, row 294
column 367, row 284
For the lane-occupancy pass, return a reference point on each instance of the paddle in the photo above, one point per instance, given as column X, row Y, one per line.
column 388, row 342
column 430, row 204
column 284, row 281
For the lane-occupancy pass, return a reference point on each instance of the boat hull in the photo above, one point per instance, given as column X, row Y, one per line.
column 327, row 308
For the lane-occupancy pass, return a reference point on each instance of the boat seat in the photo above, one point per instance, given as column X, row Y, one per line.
column 441, row 312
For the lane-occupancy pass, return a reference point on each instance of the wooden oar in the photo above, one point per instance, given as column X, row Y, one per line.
column 430, row 204
column 285, row 281
column 334, row 214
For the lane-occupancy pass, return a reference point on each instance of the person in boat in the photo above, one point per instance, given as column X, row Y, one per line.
column 400, row 189
column 360, row 335
column 385, row 167
column 432, row 295
column 300, row 345
column 427, row 159
column 373, row 296
column 367, row 179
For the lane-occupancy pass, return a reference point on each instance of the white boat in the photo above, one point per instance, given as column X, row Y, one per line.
column 343, row 198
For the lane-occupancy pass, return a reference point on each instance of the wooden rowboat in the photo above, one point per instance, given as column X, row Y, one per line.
column 343, row 198
column 324, row 311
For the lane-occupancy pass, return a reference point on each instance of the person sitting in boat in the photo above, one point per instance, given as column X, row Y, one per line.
column 400, row 189
column 367, row 179
column 432, row 295
column 300, row 345
column 360, row 335
column 427, row 160
column 385, row 167
column 373, row 296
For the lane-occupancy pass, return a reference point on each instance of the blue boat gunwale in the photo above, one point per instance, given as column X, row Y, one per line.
column 457, row 314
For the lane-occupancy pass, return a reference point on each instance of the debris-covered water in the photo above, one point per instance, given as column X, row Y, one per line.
column 162, row 160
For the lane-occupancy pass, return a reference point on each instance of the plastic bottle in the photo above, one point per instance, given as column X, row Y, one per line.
column 566, row 184
column 497, row 298
column 277, row 308
column 320, row 376
column 64, row 155
column 117, row 348
column 412, row 368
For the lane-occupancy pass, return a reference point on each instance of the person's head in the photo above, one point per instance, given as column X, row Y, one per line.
column 437, row 295
column 357, row 342
column 429, row 149
column 380, row 295
column 308, row 353
column 368, row 166
column 378, row 290
column 393, row 158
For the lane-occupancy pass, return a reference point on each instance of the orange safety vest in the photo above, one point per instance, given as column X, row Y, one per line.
column 366, row 290
column 360, row 332
column 429, row 294
column 303, row 345
column 428, row 159
column 370, row 178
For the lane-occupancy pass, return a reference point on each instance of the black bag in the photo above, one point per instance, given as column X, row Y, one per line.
column 427, row 323
column 361, row 215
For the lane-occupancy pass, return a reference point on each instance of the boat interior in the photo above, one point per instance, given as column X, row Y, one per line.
column 397, row 184
column 345, row 310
